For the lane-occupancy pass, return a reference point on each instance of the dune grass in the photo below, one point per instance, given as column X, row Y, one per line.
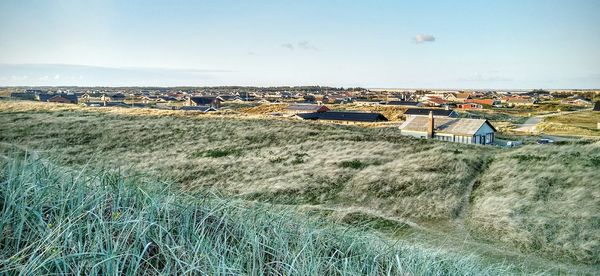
column 278, row 161
column 543, row 199
column 583, row 123
column 55, row 221
column 374, row 171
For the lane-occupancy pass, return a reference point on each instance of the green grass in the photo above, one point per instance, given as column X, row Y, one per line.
column 56, row 221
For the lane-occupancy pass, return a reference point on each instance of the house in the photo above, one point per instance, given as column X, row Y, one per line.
column 436, row 102
column 202, row 101
column 105, row 104
column 462, row 97
column 469, row 106
column 118, row 97
column 519, row 101
column 23, row 96
column 43, row 97
column 467, row 131
column 199, row 108
column 363, row 101
column 424, row 112
column 482, row 101
column 86, row 97
column 347, row 117
column 577, row 101
column 57, row 98
column 63, row 98
column 306, row 108
column 597, row 106
column 404, row 103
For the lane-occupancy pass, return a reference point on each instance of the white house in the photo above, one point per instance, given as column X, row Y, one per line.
column 467, row 131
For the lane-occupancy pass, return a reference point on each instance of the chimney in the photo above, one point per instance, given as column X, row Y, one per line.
column 430, row 126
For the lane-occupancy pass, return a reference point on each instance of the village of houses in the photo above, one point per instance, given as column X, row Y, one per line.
column 453, row 116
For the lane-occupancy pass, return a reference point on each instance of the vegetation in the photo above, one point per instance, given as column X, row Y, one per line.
column 584, row 123
column 56, row 222
column 544, row 199
column 277, row 161
column 360, row 175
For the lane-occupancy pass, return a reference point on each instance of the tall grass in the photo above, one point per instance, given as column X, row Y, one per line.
column 544, row 199
column 57, row 222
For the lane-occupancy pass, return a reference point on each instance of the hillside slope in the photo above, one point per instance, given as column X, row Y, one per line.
column 369, row 170
column 543, row 198
column 53, row 221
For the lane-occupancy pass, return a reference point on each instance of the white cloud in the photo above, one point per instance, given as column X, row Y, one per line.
column 302, row 45
column 288, row 46
column 420, row 38
column 305, row 45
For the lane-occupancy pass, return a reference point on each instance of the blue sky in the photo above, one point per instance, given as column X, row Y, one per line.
column 413, row 44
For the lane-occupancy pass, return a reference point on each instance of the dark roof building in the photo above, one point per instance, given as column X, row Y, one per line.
column 436, row 112
column 57, row 98
column 597, row 106
column 63, row 98
column 404, row 103
column 106, row 104
column 212, row 101
column 344, row 116
column 44, row 97
column 23, row 96
column 200, row 108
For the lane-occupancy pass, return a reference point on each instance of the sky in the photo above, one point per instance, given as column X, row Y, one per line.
column 507, row 44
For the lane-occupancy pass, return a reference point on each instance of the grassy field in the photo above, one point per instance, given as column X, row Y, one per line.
column 354, row 174
column 54, row 221
column 583, row 123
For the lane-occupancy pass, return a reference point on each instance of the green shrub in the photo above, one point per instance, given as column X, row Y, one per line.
column 354, row 164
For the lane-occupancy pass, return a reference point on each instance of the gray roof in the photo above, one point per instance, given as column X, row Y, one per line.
column 425, row 112
column 203, row 108
column 445, row 125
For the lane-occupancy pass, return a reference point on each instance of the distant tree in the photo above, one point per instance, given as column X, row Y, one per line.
column 540, row 91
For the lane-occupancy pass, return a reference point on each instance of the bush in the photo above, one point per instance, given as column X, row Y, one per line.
column 354, row 164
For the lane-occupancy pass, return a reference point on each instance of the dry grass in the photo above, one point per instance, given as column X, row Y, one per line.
column 278, row 161
column 335, row 167
column 583, row 123
column 543, row 199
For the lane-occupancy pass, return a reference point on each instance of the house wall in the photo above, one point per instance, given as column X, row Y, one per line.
column 416, row 134
column 484, row 135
